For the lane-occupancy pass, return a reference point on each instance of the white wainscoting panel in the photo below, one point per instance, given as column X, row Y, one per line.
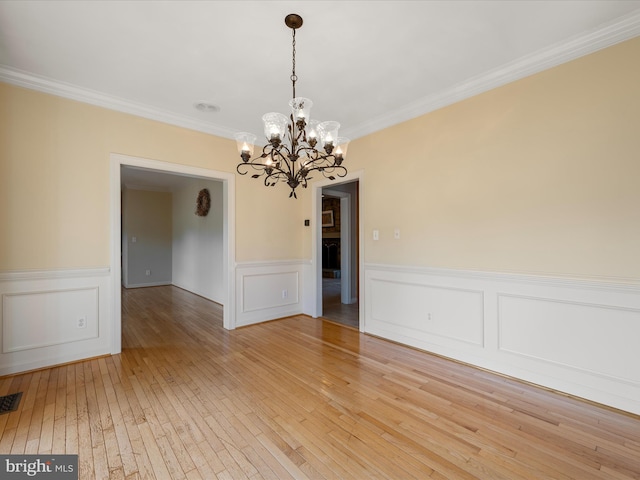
column 571, row 334
column 41, row 319
column 52, row 317
column 578, row 336
column 416, row 309
column 268, row 290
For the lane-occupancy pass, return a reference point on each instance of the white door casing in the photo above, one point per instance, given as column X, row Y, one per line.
column 228, row 180
column 316, row 244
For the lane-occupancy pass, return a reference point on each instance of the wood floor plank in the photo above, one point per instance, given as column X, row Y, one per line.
column 301, row 398
column 86, row 464
column 100, row 464
column 9, row 421
column 122, row 447
column 58, row 442
column 26, row 412
column 70, row 413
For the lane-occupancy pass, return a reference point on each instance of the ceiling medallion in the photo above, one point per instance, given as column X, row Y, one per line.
column 293, row 157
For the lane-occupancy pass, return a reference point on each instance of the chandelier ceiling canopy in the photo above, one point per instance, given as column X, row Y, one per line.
column 296, row 145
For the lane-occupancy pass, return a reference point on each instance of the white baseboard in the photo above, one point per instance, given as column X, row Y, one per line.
column 198, row 292
column 150, row 284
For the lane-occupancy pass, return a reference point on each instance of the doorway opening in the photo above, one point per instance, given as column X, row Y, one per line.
column 339, row 248
column 118, row 162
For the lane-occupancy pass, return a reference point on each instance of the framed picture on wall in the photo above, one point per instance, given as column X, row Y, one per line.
column 327, row 218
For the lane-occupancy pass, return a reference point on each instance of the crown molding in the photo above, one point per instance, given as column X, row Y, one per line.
column 617, row 31
column 92, row 97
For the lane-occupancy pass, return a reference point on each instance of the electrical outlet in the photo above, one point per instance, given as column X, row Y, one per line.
column 396, row 234
column 429, row 316
column 82, row 322
column 285, row 294
column 376, row 235
column 147, row 273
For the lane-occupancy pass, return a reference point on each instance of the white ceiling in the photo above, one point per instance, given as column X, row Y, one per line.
column 144, row 179
column 366, row 64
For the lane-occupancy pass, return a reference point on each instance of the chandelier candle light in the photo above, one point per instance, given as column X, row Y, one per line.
column 291, row 160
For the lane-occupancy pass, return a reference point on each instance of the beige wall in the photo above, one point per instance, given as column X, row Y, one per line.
column 54, row 182
column 539, row 176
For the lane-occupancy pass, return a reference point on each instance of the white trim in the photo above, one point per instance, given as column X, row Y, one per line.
column 572, row 334
column 619, row 30
column 260, row 286
column 40, row 344
column 315, row 289
column 92, row 97
column 228, row 179
column 554, row 280
column 17, row 275
column 67, row 343
column 271, row 263
column 150, row 284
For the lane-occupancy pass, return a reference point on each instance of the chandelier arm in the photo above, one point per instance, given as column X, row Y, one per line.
column 271, row 179
column 267, row 151
column 260, row 167
column 284, row 160
column 318, row 161
column 329, row 170
column 279, row 159
column 271, row 175
column 279, row 151
column 263, row 168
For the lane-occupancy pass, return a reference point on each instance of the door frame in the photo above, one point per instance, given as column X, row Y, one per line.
column 228, row 221
column 316, row 243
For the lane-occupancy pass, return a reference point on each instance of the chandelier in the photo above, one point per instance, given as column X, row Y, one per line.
column 296, row 146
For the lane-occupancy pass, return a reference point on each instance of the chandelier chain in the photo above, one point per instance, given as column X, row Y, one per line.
column 294, row 77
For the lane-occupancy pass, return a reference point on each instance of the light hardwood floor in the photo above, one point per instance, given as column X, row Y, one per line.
column 332, row 306
column 300, row 398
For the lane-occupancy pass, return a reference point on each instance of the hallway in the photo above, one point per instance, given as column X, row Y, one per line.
column 333, row 309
